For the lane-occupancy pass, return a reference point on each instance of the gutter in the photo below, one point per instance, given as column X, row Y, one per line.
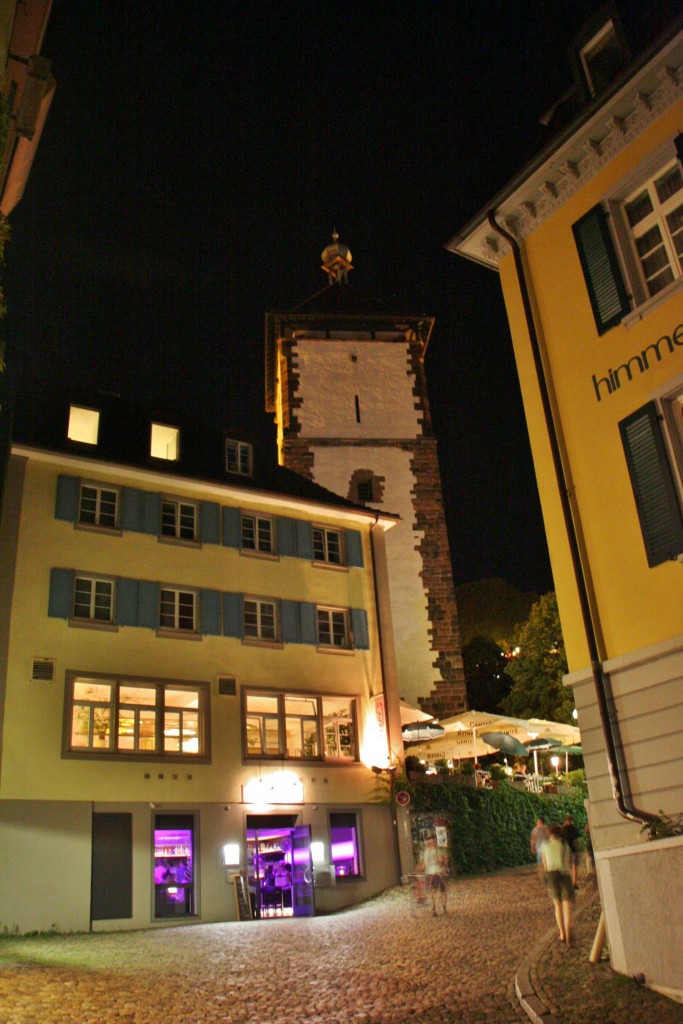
column 606, row 706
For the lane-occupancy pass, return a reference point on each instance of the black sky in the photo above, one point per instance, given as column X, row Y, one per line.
column 194, row 163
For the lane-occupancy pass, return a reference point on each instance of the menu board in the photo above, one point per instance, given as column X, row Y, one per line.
column 242, row 897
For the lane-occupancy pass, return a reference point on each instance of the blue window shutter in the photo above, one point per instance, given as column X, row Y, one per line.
column 658, row 507
column 210, row 617
column 308, row 622
column 232, row 614
column 151, row 513
column 304, row 539
column 148, row 604
column 359, row 625
column 606, row 290
column 289, row 618
column 209, row 522
column 286, row 536
column 66, row 502
column 354, row 548
column 60, row 604
column 131, row 509
column 232, row 527
column 127, row 602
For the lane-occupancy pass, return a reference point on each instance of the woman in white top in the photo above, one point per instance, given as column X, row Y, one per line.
column 558, row 878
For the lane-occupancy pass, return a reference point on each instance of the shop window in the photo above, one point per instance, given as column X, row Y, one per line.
column 174, row 863
column 84, row 424
column 98, row 506
column 345, row 845
column 144, row 717
column 300, row 726
column 165, row 443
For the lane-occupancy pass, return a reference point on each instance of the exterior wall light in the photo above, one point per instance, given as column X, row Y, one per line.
column 232, row 855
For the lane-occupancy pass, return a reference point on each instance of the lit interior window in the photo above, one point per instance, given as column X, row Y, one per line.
column 165, row 442
column 84, row 424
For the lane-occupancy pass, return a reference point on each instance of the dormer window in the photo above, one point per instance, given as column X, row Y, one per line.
column 165, row 442
column 84, row 424
column 238, row 457
column 603, row 56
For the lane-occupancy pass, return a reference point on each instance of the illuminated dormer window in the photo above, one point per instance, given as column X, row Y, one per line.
column 165, row 442
column 238, row 457
column 84, row 424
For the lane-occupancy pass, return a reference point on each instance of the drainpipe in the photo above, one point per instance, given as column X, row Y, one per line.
column 610, row 725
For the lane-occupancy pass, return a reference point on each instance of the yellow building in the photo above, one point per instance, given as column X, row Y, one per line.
column 588, row 242
column 192, row 683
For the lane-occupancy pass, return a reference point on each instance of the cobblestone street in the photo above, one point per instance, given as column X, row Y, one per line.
column 387, row 962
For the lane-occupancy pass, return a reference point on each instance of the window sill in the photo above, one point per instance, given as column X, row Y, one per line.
column 253, row 641
column 330, row 565
column 177, row 634
column 110, row 531
column 179, row 542
column 114, row 755
column 647, row 307
column 267, row 556
column 324, row 649
column 107, row 627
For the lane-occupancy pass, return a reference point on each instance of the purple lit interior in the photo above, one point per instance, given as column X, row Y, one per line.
column 173, row 861
column 344, row 852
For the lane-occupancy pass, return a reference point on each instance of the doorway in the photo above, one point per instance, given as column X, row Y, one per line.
column 279, row 867
column 174, row 892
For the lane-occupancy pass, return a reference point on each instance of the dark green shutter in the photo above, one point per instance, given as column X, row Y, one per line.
column 66, row 501
column 209, row 522
column 354, row 548
column 658, row 507
column 608, row 296
column 127, row 602
column 359, row 625
column 60, row 603
column 232, row 527
column 210, row 619
column 232, row 615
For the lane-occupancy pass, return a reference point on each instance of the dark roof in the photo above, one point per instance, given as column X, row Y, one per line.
column 124, row 439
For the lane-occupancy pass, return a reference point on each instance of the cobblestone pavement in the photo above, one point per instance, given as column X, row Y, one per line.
column 387, row 962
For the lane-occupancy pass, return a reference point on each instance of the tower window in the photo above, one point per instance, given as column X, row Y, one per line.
column 365, row 490
column 357, row 409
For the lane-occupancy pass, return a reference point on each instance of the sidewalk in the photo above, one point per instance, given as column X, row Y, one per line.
column 557, row 985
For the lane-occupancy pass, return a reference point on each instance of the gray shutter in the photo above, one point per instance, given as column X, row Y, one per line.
column 131, row 509
column 286, row 536
column 210, row 617
column 60, row 603
column 127, row 602
column 359, row 625
column 151, row 513
column 354, row 548
column 289, row 618
column 66, row 501
column 209, row 522
column 148, row 604
column 232, row 527
column 309, row 622
column 659, row 510
column 304, row 539
column 232, row 615
column 606, row 290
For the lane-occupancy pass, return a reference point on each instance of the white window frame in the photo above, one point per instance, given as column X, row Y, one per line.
column 262, row 612
column 333, row 617
column 257, row 524
column 239, row 457
column 175, row 513
column 176, row 612
column 100, row 490
column 326, row 545
column 670, row 400
column 95, row 583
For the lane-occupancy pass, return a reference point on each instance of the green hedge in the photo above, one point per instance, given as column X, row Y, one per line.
column 491, row 827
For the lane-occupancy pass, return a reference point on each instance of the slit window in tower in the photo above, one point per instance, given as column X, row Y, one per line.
column 357, row 409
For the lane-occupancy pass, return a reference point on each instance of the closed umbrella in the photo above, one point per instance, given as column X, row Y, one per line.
column 505, row 743
column 417, row 732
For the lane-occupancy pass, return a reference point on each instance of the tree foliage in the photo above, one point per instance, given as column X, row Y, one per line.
column 538, row 667
column 487, row 681
column 490, row 608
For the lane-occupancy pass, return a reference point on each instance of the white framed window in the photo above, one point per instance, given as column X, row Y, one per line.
column 178, row 610
column 178, row 519
column 165, row 442
column 93, row 599
column 257, row 534
column 84, row 424
column 654, row 213
column 333, row 627
column 260, row 620
column 327, row 545
column 299, row 726
column 98, row 506
column 143, row 717
column 238, row 457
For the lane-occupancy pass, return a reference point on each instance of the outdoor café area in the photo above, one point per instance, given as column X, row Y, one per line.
column 535, row 751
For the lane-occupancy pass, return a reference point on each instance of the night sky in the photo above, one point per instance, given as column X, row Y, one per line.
column 194, row 163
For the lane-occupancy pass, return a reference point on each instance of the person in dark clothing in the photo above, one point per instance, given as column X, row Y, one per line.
column 570, row 834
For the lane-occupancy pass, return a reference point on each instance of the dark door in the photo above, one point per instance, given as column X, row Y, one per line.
column 111, row 887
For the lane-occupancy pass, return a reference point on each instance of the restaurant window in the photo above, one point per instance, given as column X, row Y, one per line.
column 98, row 506
column 178, row 519
column 300, row 726
column 136, row 717
column 174, row 865
column 257, row 534
column 345, row 845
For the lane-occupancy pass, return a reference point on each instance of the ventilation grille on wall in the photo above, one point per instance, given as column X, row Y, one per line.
column 43, row 670
column 227, row 686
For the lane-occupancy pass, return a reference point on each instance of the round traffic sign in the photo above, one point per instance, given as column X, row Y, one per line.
column 402, row 798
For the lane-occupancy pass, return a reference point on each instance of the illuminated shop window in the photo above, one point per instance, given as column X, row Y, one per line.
column 84, row 424
column 174, row 894
column 300, row 726
column 165, row 442
column 345, row 845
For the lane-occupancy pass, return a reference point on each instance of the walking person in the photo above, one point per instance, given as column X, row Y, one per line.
column 570, row 834
column 539, row 835
column 556, row 862
column 434, row 865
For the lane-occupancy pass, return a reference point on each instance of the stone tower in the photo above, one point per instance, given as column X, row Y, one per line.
column 345, row 381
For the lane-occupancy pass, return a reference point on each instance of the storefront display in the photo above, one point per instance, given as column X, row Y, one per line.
column 279, row 871
column 173, row 866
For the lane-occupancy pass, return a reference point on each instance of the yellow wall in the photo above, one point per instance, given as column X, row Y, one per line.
column 32, row 766
column 638, row 605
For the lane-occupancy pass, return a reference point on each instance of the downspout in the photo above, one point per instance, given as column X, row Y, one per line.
column 608, row 719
